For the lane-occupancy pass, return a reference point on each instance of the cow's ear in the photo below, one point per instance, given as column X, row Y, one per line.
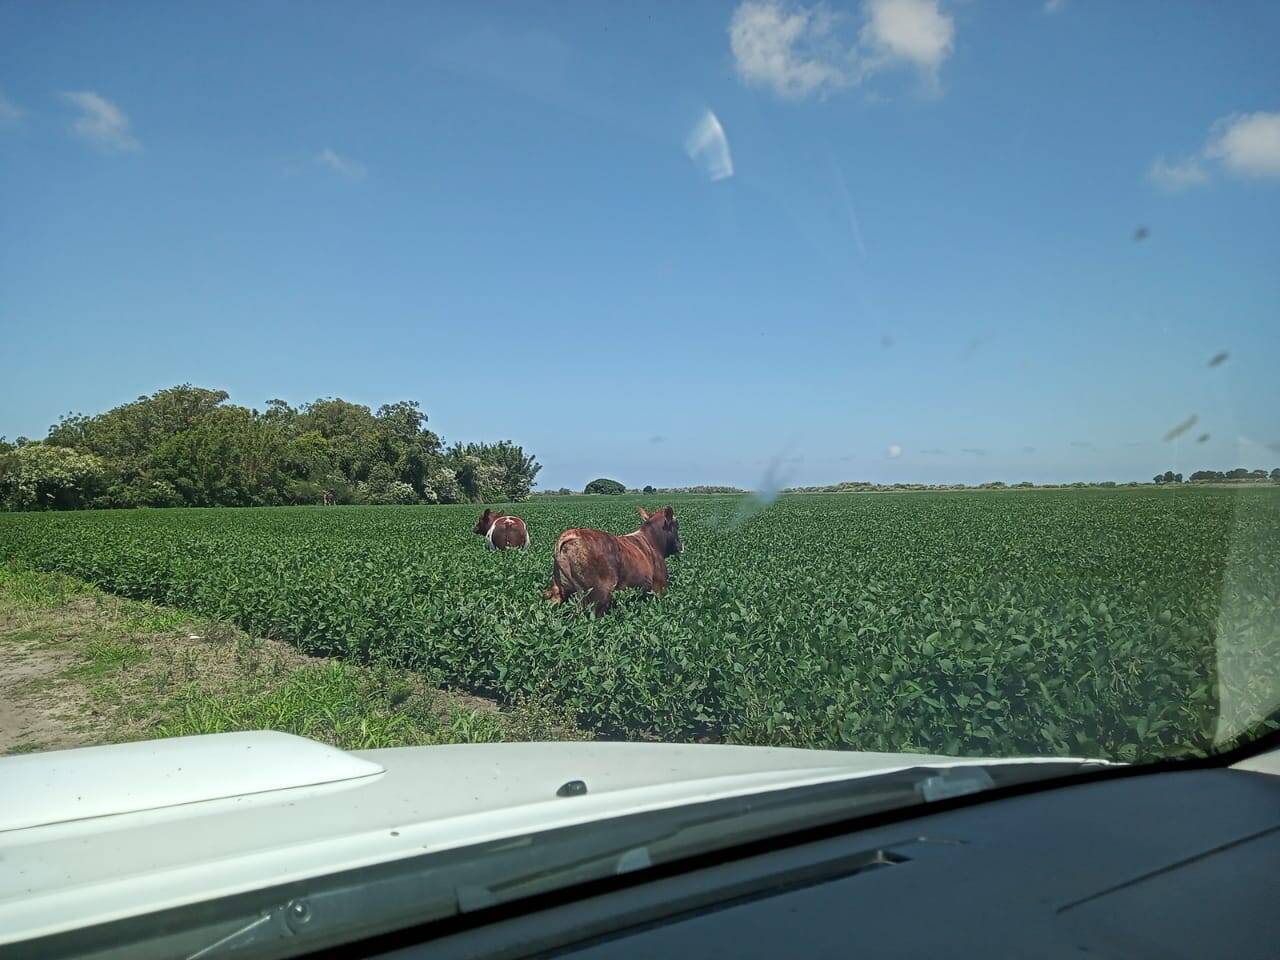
column 644, row 514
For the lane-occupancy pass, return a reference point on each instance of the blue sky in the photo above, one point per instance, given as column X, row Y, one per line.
column 887, row 240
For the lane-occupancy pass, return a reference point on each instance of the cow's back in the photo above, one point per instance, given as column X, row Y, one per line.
column 509, row 532
column 586, row 558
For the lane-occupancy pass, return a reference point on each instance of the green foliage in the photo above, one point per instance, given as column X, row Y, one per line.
column 490, row 472
column 1118, row 623
column 359, row 708
column 698, row 488
column 444, row 487
column 383, row 487
column 1238, row 474
column 41, row 476
column 187, row 446
column 606, row 486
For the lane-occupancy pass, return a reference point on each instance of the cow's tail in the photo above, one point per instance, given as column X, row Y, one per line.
column 562, row 579
column 556, row 592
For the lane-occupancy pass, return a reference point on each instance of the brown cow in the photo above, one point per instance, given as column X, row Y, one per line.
column 502, row 531
column 598, row 563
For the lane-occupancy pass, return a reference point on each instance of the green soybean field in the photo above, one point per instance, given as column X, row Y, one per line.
column 1127, row 624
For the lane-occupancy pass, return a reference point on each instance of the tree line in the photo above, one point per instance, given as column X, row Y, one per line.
column 603, row 485
column 855, row 486
column 187, row 446
column 1239, row 473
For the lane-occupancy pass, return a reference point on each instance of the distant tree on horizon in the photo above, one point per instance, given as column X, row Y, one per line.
column 606, row 486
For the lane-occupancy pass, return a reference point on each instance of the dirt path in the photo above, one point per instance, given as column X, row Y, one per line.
column 43, row 704
column 32, row 715
column 81, row 667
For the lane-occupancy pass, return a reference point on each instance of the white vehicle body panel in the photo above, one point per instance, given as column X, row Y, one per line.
column 188, row 838
column 91, row 782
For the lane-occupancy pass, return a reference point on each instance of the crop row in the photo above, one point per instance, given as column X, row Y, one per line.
column 1119, row 624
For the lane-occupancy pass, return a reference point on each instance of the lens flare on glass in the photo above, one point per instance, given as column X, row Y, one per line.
column 708, row 147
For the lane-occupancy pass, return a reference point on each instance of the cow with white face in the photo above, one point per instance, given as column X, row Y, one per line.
column 502, row 532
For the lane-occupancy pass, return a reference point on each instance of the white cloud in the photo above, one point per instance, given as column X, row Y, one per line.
column 101, row 122
column 915, row 31
column 707, row 146
column 1178, row 175
column 893, row 451
column 790, row 49
column 9, row 111
column 1247, row 144
column 798, row 50
column 1053, row 6
column 343, row 166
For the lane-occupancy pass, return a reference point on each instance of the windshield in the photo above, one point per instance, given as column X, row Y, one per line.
column 889, row 376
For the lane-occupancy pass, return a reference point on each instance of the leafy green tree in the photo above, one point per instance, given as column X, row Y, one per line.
column 480, row 482
column 304, row 491
column 188, row 445
column 606, row 486
column 490, row 472
column 350, row 430
column 405, row 443
column 444, row 486
column 127, row 435
column 128, row 432
column 41, row 476
column 383, row 487
column 229, row 458
column 309, row 455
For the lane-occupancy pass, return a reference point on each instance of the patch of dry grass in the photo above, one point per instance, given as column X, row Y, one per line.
column 86, row 667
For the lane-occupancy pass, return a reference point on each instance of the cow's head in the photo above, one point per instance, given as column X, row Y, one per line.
column 485, row 521
column 664, row 528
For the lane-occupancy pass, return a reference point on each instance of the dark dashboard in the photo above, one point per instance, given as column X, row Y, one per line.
column 1169, row 865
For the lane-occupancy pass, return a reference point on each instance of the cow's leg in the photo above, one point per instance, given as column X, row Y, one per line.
column 601, row 597
column 560, row 589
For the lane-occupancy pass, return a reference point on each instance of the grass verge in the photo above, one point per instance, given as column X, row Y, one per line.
column 83, row 667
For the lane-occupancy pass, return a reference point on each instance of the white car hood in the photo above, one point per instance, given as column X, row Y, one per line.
column 102, row 833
